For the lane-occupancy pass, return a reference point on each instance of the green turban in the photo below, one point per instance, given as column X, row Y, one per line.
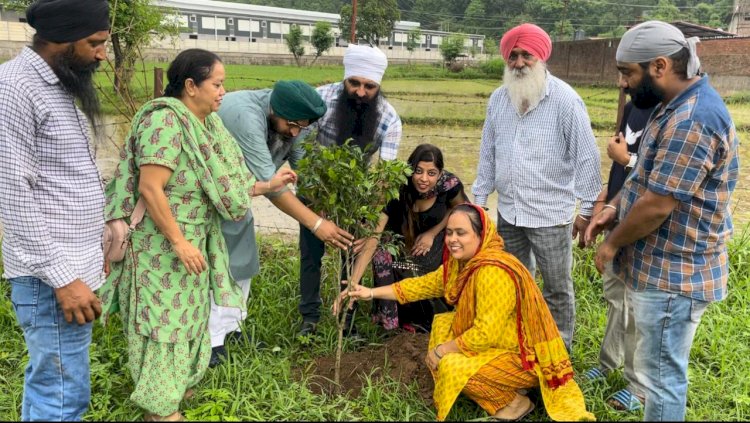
column 296, row 100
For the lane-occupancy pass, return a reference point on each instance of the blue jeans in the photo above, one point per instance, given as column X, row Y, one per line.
column 665, row 325
column 57, row 385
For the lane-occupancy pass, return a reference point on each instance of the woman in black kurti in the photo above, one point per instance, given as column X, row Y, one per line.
column 419, row 216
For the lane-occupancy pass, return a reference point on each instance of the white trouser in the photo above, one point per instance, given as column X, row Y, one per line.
column 225, row 320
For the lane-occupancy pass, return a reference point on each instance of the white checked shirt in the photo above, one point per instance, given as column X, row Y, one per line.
column 51, row 195
column 388, row 134
column 541, row 162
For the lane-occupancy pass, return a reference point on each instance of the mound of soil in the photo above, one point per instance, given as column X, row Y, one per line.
column 400, row 357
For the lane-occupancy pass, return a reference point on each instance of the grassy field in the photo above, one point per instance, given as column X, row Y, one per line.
column 260, row 385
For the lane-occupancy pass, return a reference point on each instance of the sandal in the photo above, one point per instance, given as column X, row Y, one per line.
column 594, row 374
column 624, row 400
column 528, row 411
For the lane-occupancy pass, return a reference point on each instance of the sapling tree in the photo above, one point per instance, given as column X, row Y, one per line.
column 339, row 182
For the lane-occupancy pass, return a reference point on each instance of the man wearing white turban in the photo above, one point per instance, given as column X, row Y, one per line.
column 670, row 246
column 357, row 110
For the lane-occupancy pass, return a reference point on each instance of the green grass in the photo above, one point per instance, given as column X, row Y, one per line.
column 260, row 385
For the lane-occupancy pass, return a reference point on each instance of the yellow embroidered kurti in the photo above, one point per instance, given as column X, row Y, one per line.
column 490, row 343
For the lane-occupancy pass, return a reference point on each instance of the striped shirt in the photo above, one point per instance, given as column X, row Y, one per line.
column 388, row 134
column 689, row 151
column 51, row 195
column 541, row 162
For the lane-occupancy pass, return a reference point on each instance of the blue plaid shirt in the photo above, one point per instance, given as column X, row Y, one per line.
column 388, row 134
column 689, row 151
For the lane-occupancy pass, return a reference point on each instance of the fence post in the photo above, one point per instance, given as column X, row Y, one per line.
column 158, row 82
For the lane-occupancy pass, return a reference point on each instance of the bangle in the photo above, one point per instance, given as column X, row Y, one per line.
column 611, row 207
column 317, row 225
column 372, row 294
column 253, row 193
column 584, row 218
column 440, row 357
column 269, row 186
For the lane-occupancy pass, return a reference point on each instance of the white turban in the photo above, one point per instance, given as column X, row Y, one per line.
column 651, row 39
column 364, row 62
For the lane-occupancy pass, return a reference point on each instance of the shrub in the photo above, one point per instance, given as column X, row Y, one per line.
column 493, row 68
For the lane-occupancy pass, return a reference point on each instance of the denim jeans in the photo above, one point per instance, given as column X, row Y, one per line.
column 665, row 325
column 57, row 384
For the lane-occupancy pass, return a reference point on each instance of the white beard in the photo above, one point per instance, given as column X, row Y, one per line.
column 526, row 86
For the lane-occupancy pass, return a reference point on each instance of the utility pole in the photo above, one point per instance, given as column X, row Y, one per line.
column 353, row 39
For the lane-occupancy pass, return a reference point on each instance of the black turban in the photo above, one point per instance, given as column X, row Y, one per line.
column 64, row 21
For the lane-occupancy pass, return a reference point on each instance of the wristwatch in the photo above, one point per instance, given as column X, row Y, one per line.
column 633, row 159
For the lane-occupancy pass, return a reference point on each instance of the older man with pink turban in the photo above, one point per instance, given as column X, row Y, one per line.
column 539, row 153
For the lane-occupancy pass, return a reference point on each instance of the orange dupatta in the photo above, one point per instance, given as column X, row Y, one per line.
column 538, row 338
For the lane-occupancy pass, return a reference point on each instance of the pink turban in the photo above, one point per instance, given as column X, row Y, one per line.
column 528, row 37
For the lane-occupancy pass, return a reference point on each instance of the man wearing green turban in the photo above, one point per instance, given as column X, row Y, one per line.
column 265, row 124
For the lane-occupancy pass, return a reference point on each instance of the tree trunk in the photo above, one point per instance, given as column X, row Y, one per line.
column 119, row 57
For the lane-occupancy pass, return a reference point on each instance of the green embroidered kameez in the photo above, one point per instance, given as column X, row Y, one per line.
column 164, row 308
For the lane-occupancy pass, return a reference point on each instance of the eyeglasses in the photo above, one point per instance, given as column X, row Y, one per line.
column 526, row 56
column 368, row 85
column 297, row 125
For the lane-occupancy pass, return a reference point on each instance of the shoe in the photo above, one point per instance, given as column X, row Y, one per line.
column 218, row 354
column 593, row 374
column 308, row 328
column 624, row 400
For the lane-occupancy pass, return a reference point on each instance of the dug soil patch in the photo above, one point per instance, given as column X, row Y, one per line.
column 400, row 357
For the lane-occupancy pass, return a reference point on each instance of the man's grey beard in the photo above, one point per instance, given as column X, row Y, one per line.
column 526, row 86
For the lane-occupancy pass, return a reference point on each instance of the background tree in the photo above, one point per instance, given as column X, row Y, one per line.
column 474, row 16
column 375, row 20
column 321, row 39
column 294, row 43
column 451, row 47
column 413, row 40
column 666, row 11
column 490, row 46
column 134, row 24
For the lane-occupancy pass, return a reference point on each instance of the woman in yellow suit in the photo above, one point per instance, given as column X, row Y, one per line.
column 501, row 338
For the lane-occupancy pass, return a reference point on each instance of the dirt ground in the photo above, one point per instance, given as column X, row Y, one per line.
column 400, row 357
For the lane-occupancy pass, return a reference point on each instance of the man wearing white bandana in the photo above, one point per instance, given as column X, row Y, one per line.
column 670, row 246
column 358, row 110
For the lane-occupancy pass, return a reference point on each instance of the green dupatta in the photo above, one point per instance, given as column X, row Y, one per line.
column 217, row 161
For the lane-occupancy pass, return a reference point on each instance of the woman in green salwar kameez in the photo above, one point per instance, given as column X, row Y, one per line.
column 184, row 164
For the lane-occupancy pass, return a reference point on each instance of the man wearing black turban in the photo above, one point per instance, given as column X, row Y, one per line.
column 52, row 201
column 70, row 37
